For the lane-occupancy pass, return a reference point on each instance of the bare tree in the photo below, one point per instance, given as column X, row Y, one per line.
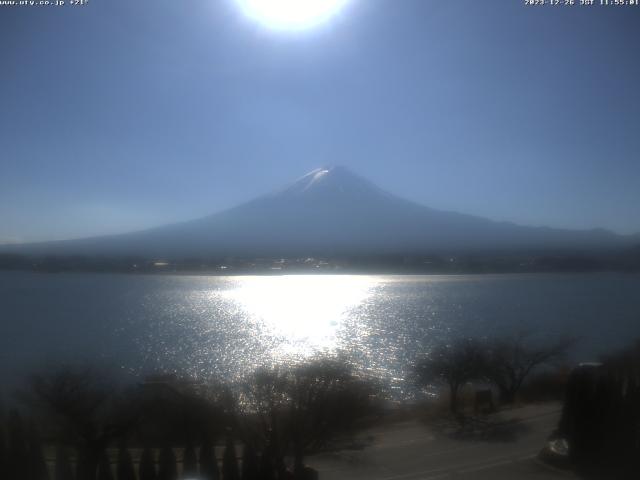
column 326, row 399
column 304, row 406
column 262, row 406
column 83, row 407
column 510, row 360
column 18, row 451
column 180, row 410
column 453, row 364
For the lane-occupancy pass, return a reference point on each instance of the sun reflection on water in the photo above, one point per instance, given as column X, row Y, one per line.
column 306, row 312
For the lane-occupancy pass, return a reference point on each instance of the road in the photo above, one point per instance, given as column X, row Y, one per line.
column 504, row 449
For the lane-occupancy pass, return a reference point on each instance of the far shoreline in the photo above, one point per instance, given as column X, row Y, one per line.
column 305, row 273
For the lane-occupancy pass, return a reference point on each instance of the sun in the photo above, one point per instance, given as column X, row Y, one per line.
column 291, row 14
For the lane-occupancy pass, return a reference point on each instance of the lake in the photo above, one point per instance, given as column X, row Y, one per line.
column 224, row 327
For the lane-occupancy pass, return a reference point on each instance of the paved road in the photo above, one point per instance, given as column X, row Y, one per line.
column 413, row 451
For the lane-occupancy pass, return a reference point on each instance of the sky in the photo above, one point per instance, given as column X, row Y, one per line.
column 121, row 115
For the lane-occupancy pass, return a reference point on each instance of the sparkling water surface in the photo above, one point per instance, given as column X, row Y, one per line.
column 225, row 327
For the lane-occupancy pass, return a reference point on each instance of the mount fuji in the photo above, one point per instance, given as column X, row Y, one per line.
column 332, row 211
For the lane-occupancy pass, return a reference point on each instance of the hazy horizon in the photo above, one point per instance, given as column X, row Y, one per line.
column 275, row 190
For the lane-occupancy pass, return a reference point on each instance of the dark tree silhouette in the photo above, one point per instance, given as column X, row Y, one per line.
column 167, row 469
column 249, row 463
column 324, row 399
column 18, row 452
column 189, row 462
column 86, row 463
column 147, row 466
column 3, row 451
column 230, row 469
column 509, row 361
column 62, row 469
column 125, row 469
column 304, row 407
column 453, row 364
column 176, row 410
column 37, row 465
column 84, row 407
column 267, row 467
column 104, row 467
column 208, row 461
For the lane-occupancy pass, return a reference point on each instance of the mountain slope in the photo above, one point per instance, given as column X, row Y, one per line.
column 332, row 211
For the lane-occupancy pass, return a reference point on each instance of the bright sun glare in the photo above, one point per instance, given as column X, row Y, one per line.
column 307, row 311
column 291, row 14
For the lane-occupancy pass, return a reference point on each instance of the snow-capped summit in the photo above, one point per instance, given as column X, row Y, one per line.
column 330, row 180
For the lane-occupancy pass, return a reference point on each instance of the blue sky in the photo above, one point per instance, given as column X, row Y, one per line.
column 122, row 115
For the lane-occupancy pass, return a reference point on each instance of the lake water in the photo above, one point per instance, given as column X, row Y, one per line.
column 227, row 326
